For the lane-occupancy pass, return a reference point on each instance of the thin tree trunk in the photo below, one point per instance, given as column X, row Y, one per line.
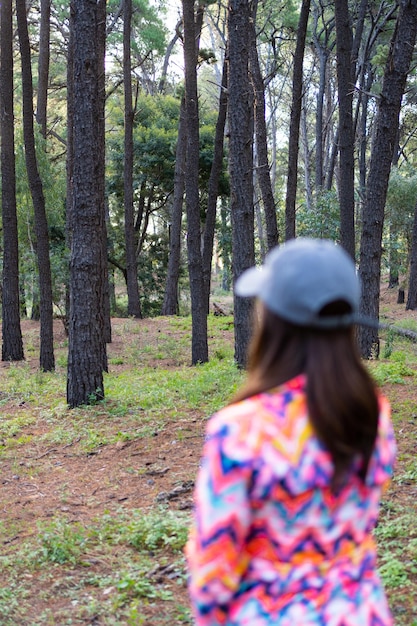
column 296, row 103
column 241, row 164
column 412, row 283
column 262, row 169
column 213, row 186
column 345, row 81
column 43, row 66
column 306, row 156
column 46, row 360
column 12, row 348
column 322, row 33
column 171, row 305
column 386, row 125
column 199, row 340
column 168, row 53
column 133, row 302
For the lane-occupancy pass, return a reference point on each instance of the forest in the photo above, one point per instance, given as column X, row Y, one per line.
column 150, row 153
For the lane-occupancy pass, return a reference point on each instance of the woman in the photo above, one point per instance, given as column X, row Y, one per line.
column 288, row 492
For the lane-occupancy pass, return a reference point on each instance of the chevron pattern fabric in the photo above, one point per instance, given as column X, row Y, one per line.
column 271, row 544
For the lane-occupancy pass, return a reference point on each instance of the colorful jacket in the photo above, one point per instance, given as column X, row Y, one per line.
column 271, row 544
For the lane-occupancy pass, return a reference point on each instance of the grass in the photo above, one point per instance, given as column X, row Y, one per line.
column 61, row 558
column 124, row 565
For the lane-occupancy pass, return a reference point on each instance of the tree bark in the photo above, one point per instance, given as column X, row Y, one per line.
column 46, row 359
column 199, row 349
column 296, row 103
column 170, row 305
column 262, row 166
column 43, row 66
column 386, row 126
column 412, row 283
column 323, row 38
column 70, row 156
column 133, row 302
column 241, row 164
column 213, row 186
column 101, row 79
column 87, row 347
column 169, row 50
column 12, row 348
column 345, row 82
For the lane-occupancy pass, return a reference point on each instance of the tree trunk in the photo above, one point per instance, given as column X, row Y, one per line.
column 363, row 137
column 87, row 347
column 345, row 83
column 43, row 66
column 394, row 260
column 296, row 103
column 168, row 53
column 307, row 157
column 101, row 54
column 70, row 157
column 321, row 35
column 195, row 266
column 133, row 302
column 386, row 125
column 46, row 360
column 262, row 169
column 12, row 348
column 241, row 164
column 213, row 186
column 171, row 305
column 412, row 283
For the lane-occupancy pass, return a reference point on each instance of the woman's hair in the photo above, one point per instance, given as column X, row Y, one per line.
column 341, row 395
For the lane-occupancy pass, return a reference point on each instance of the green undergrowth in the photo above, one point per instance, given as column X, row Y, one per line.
column 140, row 397
column 108, row 571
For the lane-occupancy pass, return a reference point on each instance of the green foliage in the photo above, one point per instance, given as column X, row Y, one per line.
column 380, row 57
column 53, row 178
column 392, row 371
column 400, row 206
column 155, row 137
column 388, row 346
column 393, row 571
column 323, row 220
column 135, row 584
column 152, row 274
column 61, row 542
column 158, row 529
column 149, row 32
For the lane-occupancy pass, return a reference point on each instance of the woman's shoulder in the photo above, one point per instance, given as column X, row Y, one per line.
column 278, row 413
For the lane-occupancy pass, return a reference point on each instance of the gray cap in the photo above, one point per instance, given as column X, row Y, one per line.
column 301, row 277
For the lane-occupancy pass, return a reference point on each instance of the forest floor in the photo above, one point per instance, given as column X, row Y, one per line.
column 95, row 501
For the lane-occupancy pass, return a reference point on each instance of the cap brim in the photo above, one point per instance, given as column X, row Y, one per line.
column 363, row 320
column 250, row 283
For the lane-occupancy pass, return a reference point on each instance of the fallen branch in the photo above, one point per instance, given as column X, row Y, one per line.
column 404, row 332
column 219, row 310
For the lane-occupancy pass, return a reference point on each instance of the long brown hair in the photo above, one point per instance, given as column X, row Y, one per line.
column 341, row 395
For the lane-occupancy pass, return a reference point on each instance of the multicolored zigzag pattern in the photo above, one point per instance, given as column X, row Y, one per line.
column 271, row 543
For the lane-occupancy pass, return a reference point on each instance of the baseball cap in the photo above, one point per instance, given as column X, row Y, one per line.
column 299, row 278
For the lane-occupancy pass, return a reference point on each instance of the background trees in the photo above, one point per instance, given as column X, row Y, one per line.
column 304, row 85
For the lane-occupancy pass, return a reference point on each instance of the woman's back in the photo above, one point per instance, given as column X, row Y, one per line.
column 303, row 554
